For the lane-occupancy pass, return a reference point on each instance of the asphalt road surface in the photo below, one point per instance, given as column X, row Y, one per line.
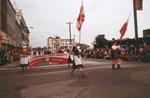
column 54, row 81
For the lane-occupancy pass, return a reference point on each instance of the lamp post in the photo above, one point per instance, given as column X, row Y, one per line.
column 135, row 24
column 135, row 20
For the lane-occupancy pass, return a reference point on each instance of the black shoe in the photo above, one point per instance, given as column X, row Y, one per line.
column 118, row 66
column 113, row 66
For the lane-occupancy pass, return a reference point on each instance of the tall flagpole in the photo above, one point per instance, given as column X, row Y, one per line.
column 80, row 30
column 80, row 37
column 80, row 20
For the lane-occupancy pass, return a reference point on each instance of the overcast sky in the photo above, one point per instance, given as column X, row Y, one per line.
column 49, row 17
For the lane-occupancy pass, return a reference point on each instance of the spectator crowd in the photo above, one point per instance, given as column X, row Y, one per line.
column 128, row 53
column 10, row 55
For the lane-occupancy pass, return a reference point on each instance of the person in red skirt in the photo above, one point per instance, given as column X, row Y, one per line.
column 116, row 52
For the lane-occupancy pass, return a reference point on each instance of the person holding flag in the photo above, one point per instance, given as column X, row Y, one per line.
column 115, row 54
column 77, row 63
column 116, row 49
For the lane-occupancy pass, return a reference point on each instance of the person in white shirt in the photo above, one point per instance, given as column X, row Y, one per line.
column 24, row 58
column 77, row 64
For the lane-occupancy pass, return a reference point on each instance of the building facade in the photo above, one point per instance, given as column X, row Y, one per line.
column 0, row 22
column 55, row 43
column 0, row 16
column 146, row 33
column 12, row 33
column 25, row 31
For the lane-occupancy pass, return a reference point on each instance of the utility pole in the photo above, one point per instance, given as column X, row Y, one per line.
column 135, row 20
column 137, row 5
column 69, row 23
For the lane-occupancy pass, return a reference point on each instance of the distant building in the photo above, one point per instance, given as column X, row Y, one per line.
column 54, row 43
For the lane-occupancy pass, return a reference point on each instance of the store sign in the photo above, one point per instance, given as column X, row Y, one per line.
column 3, row 37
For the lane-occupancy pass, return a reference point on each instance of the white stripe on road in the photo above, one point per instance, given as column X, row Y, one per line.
column 58, row 65
column 58, row 72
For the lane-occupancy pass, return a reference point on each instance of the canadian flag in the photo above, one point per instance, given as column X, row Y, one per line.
column 80, row 18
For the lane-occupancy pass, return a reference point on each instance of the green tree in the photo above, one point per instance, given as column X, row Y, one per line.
column 100, row 41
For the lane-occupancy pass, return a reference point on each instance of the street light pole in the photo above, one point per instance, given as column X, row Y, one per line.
column 135, row 20
column 69, row 23
column 135, row 24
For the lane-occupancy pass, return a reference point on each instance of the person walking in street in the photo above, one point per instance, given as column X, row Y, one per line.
column 24, row 58
column 116, row 52
column 70, row 58
column 77, row 64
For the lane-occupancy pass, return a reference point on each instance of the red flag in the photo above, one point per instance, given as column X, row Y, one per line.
column 80, row 18
column 124, row 28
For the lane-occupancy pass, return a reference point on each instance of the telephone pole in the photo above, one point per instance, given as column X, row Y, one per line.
column 137, row 5
column 135, row 20
column 69, row 23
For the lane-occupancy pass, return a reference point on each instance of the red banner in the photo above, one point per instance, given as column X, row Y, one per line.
column 52, row 59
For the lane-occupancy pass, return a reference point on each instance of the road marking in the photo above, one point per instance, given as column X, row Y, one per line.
column 57, row 65
column 64, row 71
column 94, row 62
column 56, row 72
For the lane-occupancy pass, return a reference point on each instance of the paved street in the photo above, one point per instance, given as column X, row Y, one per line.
column 54, row 81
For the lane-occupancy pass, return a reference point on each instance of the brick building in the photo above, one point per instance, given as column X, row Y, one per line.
column 13, row 31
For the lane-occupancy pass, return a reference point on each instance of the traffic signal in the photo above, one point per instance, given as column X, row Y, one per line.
column 139, row 4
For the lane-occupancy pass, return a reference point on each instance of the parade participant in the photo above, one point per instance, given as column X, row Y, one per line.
column 24, row 59
column 116, row 52
column 77, row 61
column 70, row 57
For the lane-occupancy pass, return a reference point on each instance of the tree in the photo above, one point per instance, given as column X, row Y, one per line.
column 100, row 41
